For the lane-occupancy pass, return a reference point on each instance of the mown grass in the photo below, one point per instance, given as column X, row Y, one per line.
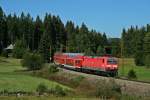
column 10, row 64
column 142, row 72
column 13, row 79
column 17, row 82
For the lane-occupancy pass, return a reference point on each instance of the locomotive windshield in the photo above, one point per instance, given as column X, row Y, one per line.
column 112, row 61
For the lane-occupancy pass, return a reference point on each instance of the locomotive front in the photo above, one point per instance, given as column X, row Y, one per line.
column 112, row 66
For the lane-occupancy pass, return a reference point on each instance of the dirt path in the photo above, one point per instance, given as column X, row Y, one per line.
column 127, row 87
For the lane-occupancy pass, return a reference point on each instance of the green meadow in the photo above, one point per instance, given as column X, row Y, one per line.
column 13, row 78
column 142, row 72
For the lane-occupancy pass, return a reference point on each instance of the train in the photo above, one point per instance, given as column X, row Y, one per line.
column 103, row 65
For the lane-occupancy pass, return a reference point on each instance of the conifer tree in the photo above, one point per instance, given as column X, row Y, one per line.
column 44, row 47
column 38, row 31
column 3, row 30
column 147, row 49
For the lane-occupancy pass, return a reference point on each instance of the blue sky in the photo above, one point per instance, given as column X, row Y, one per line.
column 109, row 16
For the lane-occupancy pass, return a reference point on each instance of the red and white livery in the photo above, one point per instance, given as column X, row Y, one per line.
column 77, row 61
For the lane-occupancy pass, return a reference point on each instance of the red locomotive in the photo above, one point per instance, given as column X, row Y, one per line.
column 77, row 61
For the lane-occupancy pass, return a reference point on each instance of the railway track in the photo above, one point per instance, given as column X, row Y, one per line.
column 132, row 80
column 96, row 75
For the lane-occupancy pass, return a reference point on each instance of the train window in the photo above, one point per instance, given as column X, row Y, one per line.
column 77, row 61
column 112, row 61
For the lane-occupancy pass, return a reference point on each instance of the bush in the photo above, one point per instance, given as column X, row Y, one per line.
column 42, row 88
column 132, row 74
column 147, row 61
column 59, row 91
column 76, row 80
column 32, row 61
column 115, row 87
column 47, row 71
column 139, row 59
column 108, row 90
column 19, row 49
column 53, row 69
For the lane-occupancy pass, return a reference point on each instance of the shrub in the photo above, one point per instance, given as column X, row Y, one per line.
column 132, row 74
column 115, row 87
column 139, row 59
column 53, row 69
column 42, row 88
column 147, row 60
column 103, row 91
column 76, row 80
column 19, row 49
column 32, row 61
column 59, row 91
column 47, row 71
column 44, row 72
column 108, row 90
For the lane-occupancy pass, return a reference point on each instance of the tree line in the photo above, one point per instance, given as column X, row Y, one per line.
column 136, row 44
column 51, row 35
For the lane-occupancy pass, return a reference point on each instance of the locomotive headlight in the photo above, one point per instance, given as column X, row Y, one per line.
column 115, row 66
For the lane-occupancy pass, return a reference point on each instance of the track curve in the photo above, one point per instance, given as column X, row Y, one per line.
column 128, row 86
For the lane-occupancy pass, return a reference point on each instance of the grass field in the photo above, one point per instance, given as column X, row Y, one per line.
column 12, row 80
column 143, row 73
column 10, row 65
